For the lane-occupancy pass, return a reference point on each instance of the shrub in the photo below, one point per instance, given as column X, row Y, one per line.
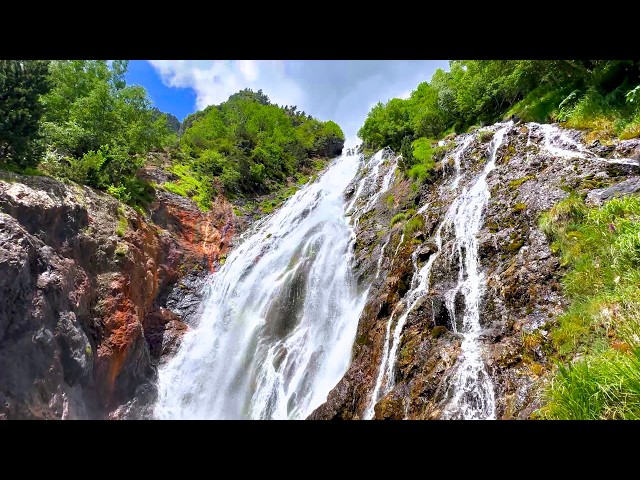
column 398, row 217
column 601, row 249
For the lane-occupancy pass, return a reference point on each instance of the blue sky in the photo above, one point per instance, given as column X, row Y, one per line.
column 340, row 90
column 178, row 101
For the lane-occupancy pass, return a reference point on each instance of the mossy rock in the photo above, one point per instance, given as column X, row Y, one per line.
column 519, row 207
column 513, row 184
column 485, row 135
column 438, row 331
column 493, row 226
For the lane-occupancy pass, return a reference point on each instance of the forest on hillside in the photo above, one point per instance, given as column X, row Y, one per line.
column 78, row 120
column 602, row 96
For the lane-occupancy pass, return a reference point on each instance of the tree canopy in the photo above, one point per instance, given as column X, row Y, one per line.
column 594, row 94
column 252, row 145
column 483, row 91
column 22, row 82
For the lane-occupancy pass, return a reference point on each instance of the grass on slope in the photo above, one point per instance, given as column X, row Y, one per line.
column 598, row 337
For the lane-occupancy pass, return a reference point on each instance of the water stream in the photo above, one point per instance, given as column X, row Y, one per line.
column 280, row 316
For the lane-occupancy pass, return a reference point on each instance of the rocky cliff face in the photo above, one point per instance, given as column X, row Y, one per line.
column 536, row 166
column 93, row 294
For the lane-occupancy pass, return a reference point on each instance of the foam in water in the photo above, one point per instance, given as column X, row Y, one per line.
column 470, row 394
column 281, row 314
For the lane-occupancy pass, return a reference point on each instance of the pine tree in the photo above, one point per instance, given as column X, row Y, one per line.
column 21, row 84
column 406, row 150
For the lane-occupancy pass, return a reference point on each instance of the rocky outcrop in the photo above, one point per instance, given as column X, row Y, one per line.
column 522, row 294
column 626, row 187
column 331, row 148
column 86, row 283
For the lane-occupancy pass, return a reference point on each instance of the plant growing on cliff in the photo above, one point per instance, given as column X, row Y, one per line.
column 413, row 225
column 398, row 217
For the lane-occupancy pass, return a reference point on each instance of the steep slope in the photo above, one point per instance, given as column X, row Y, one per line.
column 465, row 278
column 85, row 283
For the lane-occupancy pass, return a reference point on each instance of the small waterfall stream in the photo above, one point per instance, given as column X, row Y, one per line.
column 472, row 391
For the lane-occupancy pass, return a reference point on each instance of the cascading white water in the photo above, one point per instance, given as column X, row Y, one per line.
column 457, row 160
column 379, row 266
column 280, row 315
column 419, row 287
column 386, row 182
column 366, row 183
column 556, row 138
column 471, row 389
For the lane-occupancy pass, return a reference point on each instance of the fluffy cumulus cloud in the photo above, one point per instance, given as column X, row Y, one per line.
column 339, row 90
column 214, row 80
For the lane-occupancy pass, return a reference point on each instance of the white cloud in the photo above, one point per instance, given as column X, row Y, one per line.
column 340, row 90
column 213, row 81
column 249, row 69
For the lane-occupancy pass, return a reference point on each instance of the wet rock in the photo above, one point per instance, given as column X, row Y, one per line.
column 390, row 408
column 426, row 250
column 163, row 331
column 185, row 298
column 521, row 292
column 626, row 187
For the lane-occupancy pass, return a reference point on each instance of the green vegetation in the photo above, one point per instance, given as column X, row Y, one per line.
column 424, row 153
column 123, row 223
column 485, row 135
column 249, row 146
column 22, row 82
column 188, row 185
column 390, row 200
column 95, row 129
column 413, row 225
column 121, row 249
column 603, row 95
column 98, row 128
column 399, row 217
column 90, row 106
column 78, row 120
column 601, row 249
column 513, row 184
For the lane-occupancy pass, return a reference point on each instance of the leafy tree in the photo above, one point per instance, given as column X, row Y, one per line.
column 251, row 145
column 406, row 150
column 22, row 82
column 90, row 106
column 584, row 93
column 100, row 127
column 173, row 124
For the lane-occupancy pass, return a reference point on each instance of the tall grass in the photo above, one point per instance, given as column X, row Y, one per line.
column 601, row 249
column 605, row 115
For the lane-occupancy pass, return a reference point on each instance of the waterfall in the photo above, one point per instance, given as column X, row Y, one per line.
column 457, row 160
column 385, row 378
column 557, row 142
column 470, row 394
column 379, row 266
column 281, row 314
column 419, row 287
